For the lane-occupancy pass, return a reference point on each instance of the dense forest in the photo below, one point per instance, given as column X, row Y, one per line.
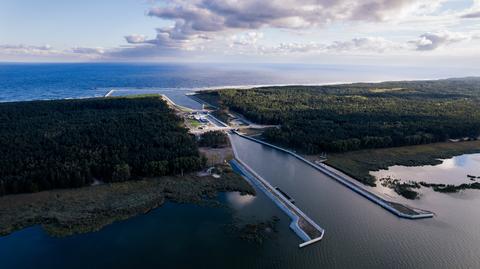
column 214, row 139
column 347, row 117
column 69, row 143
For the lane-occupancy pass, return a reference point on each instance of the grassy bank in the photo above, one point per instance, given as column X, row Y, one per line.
column 358, row 164
column 72, row 211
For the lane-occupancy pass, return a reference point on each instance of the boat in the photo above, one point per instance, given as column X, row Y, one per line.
column 290, row 199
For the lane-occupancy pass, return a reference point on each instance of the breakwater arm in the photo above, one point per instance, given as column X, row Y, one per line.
column 301, row 224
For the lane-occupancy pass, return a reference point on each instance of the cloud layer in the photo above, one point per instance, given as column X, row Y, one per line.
column 194, row 19
column 432, row 41
column 214, row 28
column 49, row 51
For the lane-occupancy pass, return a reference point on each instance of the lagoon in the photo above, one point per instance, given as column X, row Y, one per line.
column 451, row 171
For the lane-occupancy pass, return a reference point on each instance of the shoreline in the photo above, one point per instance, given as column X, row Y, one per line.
column 359, row 164
column 107, row 90
column 65, row 212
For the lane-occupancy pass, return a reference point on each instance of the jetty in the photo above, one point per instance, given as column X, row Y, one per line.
column 301, row 224
column 109, row 93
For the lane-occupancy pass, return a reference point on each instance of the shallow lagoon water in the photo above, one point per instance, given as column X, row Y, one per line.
column 451, row 171
column 173, row 236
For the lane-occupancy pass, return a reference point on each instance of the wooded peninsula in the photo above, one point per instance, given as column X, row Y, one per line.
column 339, row 118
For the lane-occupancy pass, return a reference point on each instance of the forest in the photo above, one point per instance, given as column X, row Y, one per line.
column 339, row 118
column 70, row 143
column 213, row 139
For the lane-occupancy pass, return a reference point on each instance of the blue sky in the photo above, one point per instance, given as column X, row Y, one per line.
column 308, row 31
column 73, row 23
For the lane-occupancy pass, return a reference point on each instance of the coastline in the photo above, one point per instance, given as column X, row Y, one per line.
column 193, row 90
column 67, row 212
column 359, row 164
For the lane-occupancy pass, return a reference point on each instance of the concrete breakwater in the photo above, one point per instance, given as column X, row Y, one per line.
column 398, row 209
column 109, row 93
column 301, row 224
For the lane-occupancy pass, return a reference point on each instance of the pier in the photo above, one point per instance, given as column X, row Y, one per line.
column 109, row 93
column 301, row 224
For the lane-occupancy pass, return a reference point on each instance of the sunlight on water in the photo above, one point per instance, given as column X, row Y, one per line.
column 450, row 171
column 238, row 201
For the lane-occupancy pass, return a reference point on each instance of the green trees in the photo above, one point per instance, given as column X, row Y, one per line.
column 156, row 168
column 121, row 172
column 182, row 164
column 67, row 143
column 213, row 139
column 356, row 116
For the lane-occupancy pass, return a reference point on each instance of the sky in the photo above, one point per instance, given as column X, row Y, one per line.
column 382, row 32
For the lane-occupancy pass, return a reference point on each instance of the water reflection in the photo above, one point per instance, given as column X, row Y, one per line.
column 450, row 171
column 239, row 201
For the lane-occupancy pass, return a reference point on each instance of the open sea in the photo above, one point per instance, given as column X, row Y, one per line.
column 21, row 81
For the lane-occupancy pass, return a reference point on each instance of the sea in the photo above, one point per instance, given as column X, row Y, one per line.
column 26, row 81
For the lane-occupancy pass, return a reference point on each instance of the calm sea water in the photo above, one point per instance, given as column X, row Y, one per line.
column 359, row 234
column 53, row 81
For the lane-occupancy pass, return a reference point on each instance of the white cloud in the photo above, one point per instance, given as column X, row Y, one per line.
column 26, row 49
column 471, row 15
column 259, row 27
column 91, row 51
column 432, row 41
column 136, row 39
column 48, row 51
column 371, row 44
column 200, row 24
column 247, row 39
column 473, row 12
column 206, row 19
